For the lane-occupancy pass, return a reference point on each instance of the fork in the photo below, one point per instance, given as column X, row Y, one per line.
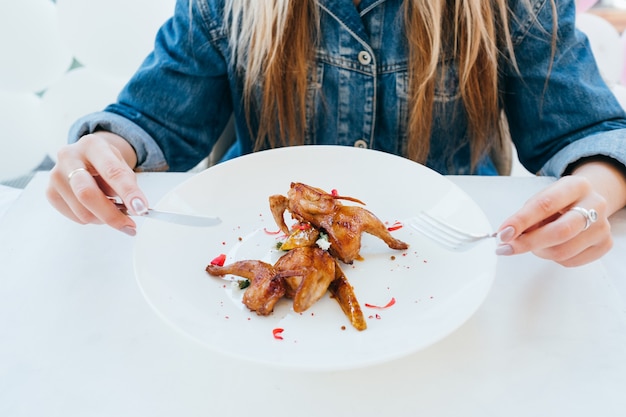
column 445, row 234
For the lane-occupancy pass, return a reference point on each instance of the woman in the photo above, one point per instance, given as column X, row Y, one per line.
column 434, row 81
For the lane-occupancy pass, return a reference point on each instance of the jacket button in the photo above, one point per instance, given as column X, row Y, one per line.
column 365, row 58
column 360, row 144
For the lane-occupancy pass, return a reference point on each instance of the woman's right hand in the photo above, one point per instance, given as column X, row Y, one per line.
column 88, row 172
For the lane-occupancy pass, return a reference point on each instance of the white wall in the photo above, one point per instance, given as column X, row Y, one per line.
column 60, row 60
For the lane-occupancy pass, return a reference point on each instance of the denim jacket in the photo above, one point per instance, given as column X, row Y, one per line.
column 177, row 104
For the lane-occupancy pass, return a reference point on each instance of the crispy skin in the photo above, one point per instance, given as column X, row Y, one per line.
column 343, row 292
column 265, row 289
column 307, row 271
column 343, row 224
column 278, row 206
column 302, row 274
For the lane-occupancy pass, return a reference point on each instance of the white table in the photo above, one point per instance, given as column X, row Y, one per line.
column 77, row 339
column 8, row 195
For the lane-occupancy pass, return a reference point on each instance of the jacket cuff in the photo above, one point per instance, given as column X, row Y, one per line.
column 611, row 144
column 149, row 155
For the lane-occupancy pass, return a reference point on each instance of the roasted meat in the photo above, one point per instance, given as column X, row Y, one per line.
column 343, row 292
column 343, row 224
column 266, row 286
column 303, row 274
column 307, row 272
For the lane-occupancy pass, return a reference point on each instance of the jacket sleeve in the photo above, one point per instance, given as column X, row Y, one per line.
column 558, row 107
column 174, row 108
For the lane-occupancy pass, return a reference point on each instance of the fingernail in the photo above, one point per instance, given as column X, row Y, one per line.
column 128, row 230
column 506, row 234
column 138, row 206
column 504, row 250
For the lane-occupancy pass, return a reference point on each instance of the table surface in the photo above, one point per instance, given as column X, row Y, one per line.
column 78, row 339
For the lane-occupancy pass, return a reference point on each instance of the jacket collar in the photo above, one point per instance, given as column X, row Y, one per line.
column 350, row 16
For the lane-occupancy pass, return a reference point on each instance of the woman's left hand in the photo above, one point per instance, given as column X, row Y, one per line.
column 551, row 225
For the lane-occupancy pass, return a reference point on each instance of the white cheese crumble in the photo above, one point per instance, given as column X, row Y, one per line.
column 323, row 242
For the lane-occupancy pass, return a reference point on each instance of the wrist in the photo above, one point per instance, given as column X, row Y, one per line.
column 608, row 178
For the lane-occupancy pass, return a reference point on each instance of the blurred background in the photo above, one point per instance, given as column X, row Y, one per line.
column 62, row 59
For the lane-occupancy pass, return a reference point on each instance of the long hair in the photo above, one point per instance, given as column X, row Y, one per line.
column 273, row 43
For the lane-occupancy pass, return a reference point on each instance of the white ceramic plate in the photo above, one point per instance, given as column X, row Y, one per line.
column 435, row 290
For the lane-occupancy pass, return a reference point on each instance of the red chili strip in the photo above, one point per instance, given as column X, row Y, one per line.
column 277, row 333
column 389, row 304
column 219, row 260
column 334, row 192
column 395, row 226
column 271, row 233
column 302, row 226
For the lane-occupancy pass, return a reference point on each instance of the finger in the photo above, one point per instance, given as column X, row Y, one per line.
column 117, row 177
column 61, row 195
column 570, row 254
column 59, row 203
column 563, row 229
column 75, row 189
column 544, row 206
column 543, row 222
column 563, row 239
column 91, row 205
column 106, row 189
column 82, row 193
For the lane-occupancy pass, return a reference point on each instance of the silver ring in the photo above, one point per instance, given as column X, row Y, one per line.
column 590, row 215
column 73, row 172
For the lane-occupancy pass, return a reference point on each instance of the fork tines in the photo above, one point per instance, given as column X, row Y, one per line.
column 443, row 233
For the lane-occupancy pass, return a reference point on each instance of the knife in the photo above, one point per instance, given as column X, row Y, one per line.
column 178, row 218
column 184, row 219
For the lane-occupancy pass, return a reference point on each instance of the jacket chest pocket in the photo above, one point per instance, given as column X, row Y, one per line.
column 447, row 87
column 449, row 115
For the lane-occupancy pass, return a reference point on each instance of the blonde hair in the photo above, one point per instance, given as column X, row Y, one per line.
column 273, row 43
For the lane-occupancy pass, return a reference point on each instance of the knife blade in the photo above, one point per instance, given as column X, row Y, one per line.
column 178, row 218
column 184, row 219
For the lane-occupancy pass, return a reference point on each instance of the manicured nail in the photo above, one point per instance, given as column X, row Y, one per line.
column 138, row 206
column 128, row 230
column 506, row 234
column 504, row 250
